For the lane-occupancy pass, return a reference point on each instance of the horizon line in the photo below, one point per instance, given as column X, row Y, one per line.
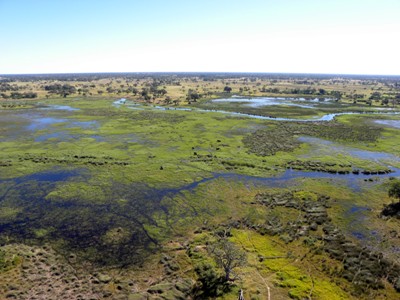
column 198, row 72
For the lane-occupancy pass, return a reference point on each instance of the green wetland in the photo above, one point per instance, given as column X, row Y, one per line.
column 119, row 199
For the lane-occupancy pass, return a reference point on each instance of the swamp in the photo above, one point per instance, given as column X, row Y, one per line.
column 143, row 185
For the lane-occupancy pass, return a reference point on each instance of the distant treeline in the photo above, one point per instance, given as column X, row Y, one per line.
column 306, row 91
column 204, row 76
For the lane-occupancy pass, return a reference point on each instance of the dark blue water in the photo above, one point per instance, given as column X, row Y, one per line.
column 53, row 176
column 353, row 181
column 82, row 224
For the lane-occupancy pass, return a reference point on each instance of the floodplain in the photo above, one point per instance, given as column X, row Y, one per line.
column 122, row 194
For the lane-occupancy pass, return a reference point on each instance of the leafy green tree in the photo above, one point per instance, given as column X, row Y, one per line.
column 375, row 96
column 394, row 190
column 63, row 90
column 17, row 95
column 393, row 209
column 193, row 96
column 145, row 94
column 385, row 101
column 337, row 94
column 227, row 89
column 211, row 284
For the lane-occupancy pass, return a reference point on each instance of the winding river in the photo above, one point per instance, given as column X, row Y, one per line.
column 326, row 117
column 287, row 177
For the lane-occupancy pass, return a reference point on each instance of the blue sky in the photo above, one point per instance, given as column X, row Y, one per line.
column 302, row 36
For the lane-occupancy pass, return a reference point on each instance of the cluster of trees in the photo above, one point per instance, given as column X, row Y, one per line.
column 357, row 96
column 60, row 89
column 129, row 90
column 147, row 93
column 385, row 99
column 5, row 87
column 306, row 82
column 336, row 94
column 193, row 96
column 156, row 91
column 132, row 90
column 159, row 92
column 17, row 95
column 320, row 92
column 270, row 90
column 150, row 91
column 375, row 96
column 307, row 91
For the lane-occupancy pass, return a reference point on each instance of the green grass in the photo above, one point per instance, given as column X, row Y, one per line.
column 132, row 156
column 298, row 278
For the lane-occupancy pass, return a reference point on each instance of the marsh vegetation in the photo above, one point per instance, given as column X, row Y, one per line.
column 170, row 193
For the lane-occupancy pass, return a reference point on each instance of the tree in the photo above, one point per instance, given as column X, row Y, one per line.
column 17, row 95
column 337, row 94
column 159, row 93
column 193, row 96
column 168, row 100
column 393, row 209
column 385, row 101
column 227, row 89
column 395, row 100
column 211, row 283
column 62, row 90
column 394, row 190
column 145, row 94
column 227, row 256
column 375, row 96
column 110, row 90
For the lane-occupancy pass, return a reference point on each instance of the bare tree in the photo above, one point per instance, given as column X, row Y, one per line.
column 227, row 256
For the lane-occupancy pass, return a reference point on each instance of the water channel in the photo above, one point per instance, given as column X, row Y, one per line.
column 34, row 121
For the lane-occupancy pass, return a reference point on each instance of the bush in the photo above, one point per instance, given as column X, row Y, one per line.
column 210, row 284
